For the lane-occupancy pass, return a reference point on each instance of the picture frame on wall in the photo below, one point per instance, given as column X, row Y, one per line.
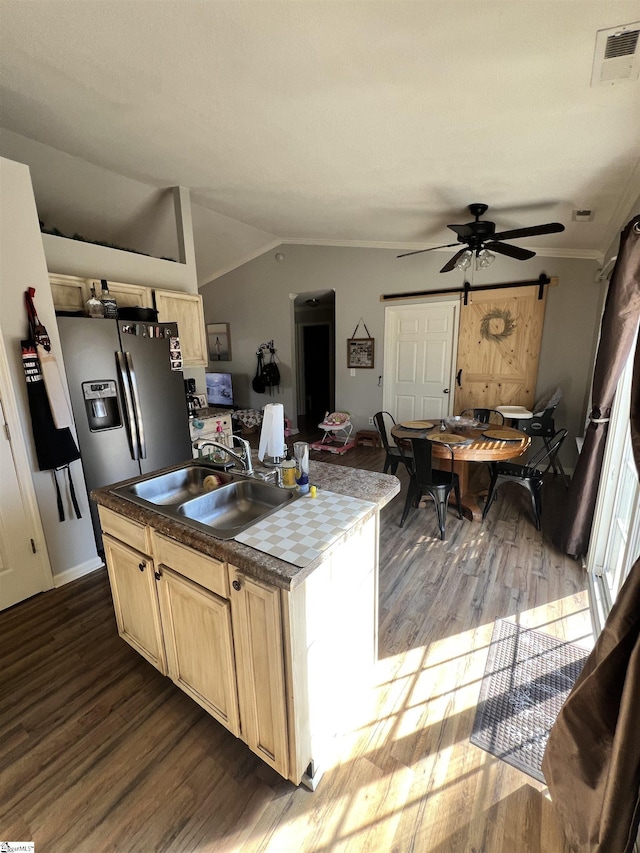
column 219, row 341
column 360, row 352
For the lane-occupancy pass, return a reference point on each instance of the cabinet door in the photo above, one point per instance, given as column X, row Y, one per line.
column 199, row 646
column 186, row 310
column 257, row 631
column 69, row 292
column 127, row 295
column 135, row 600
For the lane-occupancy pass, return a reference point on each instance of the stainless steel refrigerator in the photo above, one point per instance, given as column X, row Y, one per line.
column 128, row 403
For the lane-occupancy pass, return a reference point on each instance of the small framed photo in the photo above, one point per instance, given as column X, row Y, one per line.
column 360, row 352
column 219, row 340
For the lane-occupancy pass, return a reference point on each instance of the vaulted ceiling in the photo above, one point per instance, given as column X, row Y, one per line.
column 365, row 123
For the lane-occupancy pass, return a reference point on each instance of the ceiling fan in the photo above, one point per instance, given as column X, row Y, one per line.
column 481, row 240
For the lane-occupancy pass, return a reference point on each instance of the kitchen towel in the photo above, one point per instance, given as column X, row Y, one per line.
column 272, row 434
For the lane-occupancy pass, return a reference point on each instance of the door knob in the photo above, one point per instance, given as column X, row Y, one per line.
column 446, row 391
column 236, row 585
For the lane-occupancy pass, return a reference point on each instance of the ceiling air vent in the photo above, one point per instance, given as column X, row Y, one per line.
column 617, row 58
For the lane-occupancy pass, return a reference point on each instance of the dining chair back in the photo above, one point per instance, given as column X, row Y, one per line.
column 529, row 476
column 393, row 455
column 485, row 416
column 438, row 483
column 543, row 426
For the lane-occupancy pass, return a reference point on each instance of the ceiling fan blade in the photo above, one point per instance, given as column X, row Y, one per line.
column 549, row 228
column 516, row 252
column 433, row 248
column 454, row 260
column 463, row 231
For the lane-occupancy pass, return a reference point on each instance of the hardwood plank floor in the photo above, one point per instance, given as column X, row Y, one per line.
column 99, row 752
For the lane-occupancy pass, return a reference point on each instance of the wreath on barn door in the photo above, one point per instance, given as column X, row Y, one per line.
column 508, row 325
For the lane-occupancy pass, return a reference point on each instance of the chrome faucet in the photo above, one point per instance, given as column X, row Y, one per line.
column 244, row 459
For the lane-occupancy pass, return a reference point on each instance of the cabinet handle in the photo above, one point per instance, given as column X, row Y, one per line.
column 236, row 585
column 142, row 566
column 157, row 575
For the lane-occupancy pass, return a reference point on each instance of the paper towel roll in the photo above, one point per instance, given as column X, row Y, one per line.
column 272, row 434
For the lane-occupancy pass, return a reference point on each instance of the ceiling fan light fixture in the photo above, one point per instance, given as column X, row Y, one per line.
column 484, row 259
column 464, row 261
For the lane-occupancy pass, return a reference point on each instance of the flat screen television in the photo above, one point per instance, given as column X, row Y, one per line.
column 219, row 389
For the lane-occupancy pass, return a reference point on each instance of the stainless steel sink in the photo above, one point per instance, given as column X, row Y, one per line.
column 224, row 511
column 232, row 508
column 176, row 487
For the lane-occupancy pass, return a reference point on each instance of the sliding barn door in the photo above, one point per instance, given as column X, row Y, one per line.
column 499, row 347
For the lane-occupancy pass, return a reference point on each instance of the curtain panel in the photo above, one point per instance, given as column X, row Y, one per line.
column 617, row 333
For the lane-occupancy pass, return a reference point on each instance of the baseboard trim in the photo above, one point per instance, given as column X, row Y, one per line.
column 75, row 572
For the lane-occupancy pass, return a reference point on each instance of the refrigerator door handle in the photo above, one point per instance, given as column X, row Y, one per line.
column 136, row 406
column 129, row 407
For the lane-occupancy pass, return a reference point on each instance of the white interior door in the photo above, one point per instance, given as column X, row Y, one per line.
column 419, row 350
column 24, row 563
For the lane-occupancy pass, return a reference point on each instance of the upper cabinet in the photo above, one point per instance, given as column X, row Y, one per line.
column 186, row 310
column 70, row 293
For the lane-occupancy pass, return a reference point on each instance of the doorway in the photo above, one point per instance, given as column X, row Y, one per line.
column 314, row 318
column 24, row 563
column 419, row 358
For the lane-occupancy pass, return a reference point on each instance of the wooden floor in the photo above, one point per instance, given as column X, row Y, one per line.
column 99, row 752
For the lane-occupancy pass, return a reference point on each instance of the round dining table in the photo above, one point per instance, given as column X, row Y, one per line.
column 477, row 447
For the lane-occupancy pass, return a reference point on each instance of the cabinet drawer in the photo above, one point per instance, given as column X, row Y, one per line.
column 131, row 532
column 201, row 569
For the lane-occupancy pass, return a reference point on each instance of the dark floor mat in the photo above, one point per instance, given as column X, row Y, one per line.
column 527, row 678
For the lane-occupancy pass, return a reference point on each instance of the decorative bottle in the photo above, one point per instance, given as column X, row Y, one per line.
column 94, row 307
column 108, row 301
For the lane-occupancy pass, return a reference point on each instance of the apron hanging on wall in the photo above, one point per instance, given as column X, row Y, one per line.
column 55, row 447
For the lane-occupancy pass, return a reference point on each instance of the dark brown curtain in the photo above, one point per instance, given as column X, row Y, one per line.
column 617, row 333
column 592, row 760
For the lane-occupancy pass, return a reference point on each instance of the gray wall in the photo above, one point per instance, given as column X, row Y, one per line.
column 256, row 300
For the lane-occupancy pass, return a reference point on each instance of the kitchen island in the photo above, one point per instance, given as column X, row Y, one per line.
column 281, row 654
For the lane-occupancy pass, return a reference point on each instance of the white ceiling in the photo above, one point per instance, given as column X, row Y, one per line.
column 367, row 122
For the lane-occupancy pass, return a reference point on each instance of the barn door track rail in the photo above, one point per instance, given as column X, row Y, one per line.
column 466, row 289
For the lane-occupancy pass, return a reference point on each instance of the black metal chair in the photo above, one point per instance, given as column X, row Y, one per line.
column 394, row 455
column 543, row 426
column 485, row 416
column 425, row 478
column 528, row 476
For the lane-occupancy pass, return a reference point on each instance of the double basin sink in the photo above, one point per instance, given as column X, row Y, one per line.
column 220, row 503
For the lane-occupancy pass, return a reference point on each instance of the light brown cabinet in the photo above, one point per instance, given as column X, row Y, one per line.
column 283, row 669
column 70, row 293
column 257, row 623
column 135, row 600
column 186, row 310
column 224, row 650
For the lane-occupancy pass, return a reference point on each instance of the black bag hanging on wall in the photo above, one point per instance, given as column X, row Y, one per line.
column 258, row 382
column 271, row 372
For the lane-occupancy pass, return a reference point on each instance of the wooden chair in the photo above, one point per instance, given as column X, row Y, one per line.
column 528, row 476
column 425, row 478
column 485, row 416
column 394, row 456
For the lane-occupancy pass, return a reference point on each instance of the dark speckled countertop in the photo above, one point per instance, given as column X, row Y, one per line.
column 366, row 485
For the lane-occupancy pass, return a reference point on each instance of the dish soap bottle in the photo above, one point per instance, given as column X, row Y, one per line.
column 94, row 307
column 108, row 302
column 289, row 472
